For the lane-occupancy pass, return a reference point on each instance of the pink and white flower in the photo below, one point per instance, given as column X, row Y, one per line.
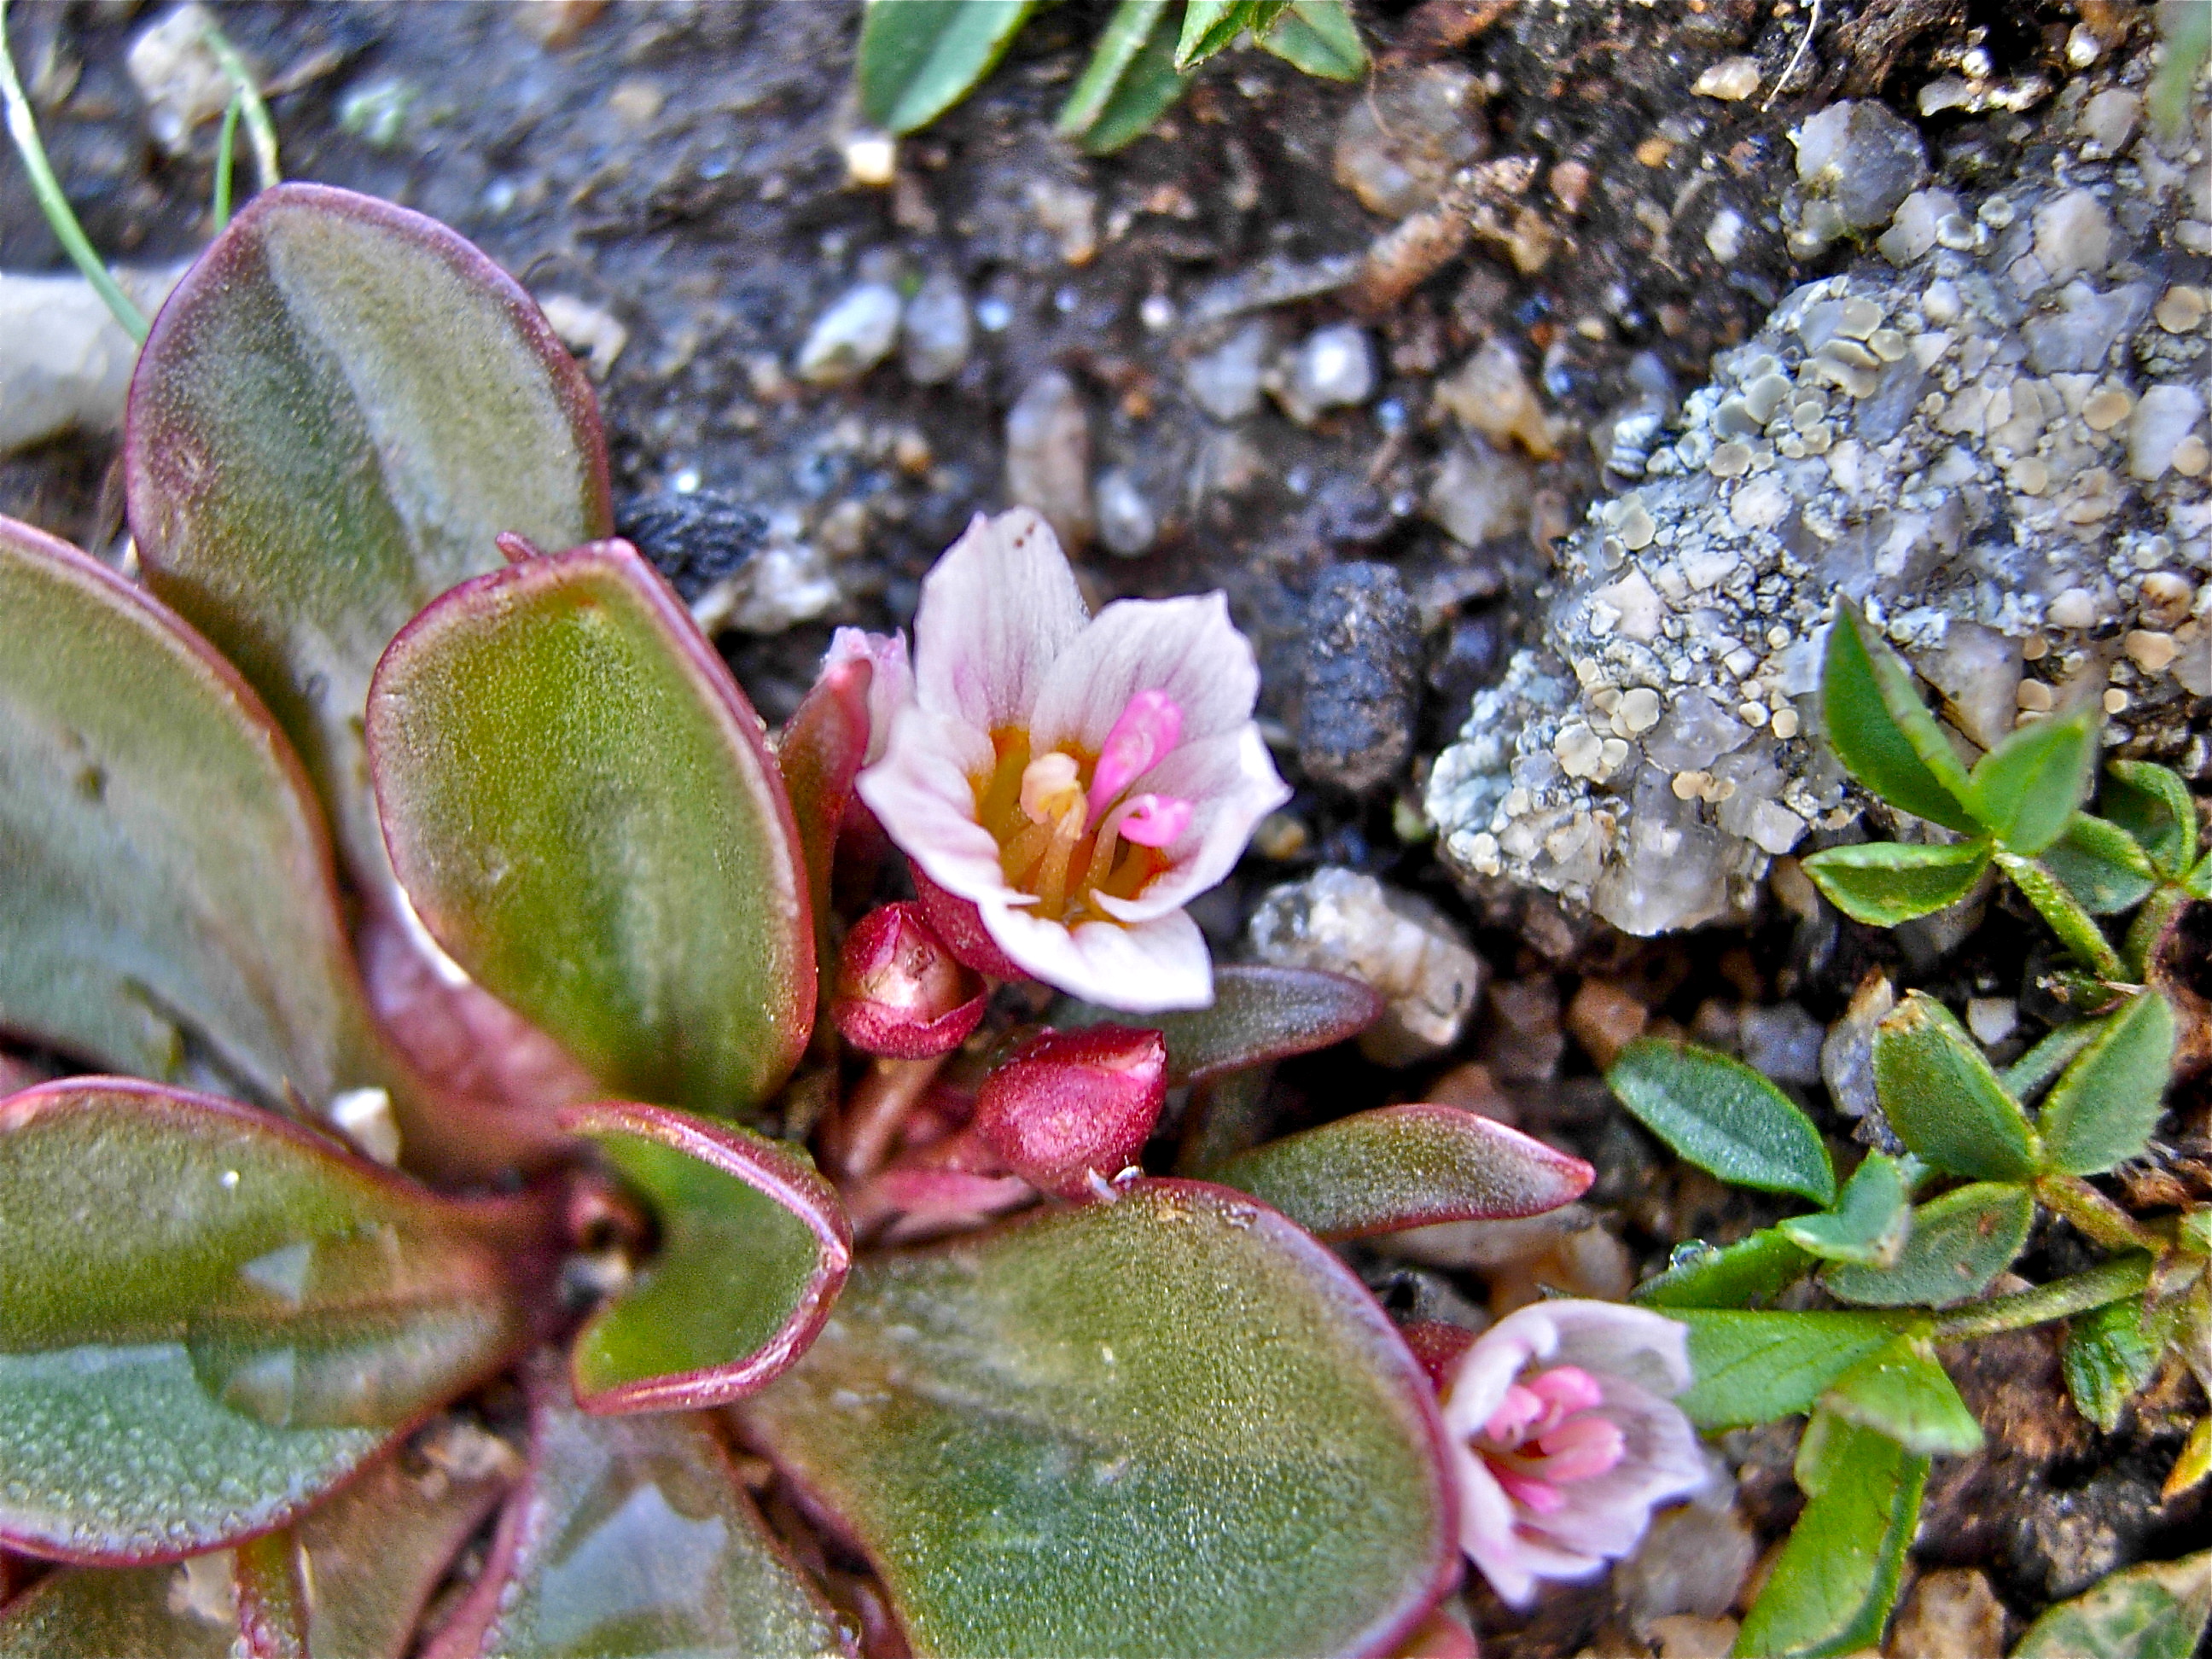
column 1079, row 779
column 1564, row 1436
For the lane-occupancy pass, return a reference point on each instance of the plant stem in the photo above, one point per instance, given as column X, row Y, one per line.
column 2096, row 1216
column 259, row 127
column 2073, row 924
column 2107, row 1282
column 23, row 128
column 222, row 164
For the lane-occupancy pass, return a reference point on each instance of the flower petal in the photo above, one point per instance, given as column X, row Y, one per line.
column 1147, row 968
column 1486, row 1531
column 1186, row 647
column 1609, row 1340
column 921, row 794
column 1232, row 784
column 890, row 688
column 998, row 612
column 1607, row 1515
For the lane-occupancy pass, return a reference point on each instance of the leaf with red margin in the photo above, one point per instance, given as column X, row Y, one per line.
column 1173, row 1417
column 1259, row 1014
column 754, row 1248
column 169, row 891
column 1406, row 1166
column 340, row 406
column 373, row 1553
column 580, row 803
column 632, row 1535
column 212, row 1316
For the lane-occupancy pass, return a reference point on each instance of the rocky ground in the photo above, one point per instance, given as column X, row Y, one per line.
column 1366, row 357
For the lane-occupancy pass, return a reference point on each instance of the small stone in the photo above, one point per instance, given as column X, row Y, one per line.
column 1951, row 1613
column 1725, row 235
column 591, row 331
column 364, row 1116
column 1912, row 233
column 2075, row 607
column 1693, row 734
column 2116, row 700
column 1604, row 1018
column 1760, row 504
column 2162, row 420
column 871, row 158
column 1480, row 493
column 1224, row 382
column 1399, row 944
column 1362, row 678
column 1992, row 1019
column 843, row 531
column 2108, row 119
column 1862, row 159
column 1732, row 80
column 183, row 83
column 1492, row 394
column 1069, row 214
column 2151, row 651
column 65, row 362
column 786, row 582
column 1847, row 1052
column 1523, row 1042
column 2166, row 596
column 1691, row 1563
column 1126, row 523
column 1400, row 143
column 1782, row 1042
column 2192, row 457
column 2073, row 235
column 2180, row 309
column 852, row 337
column 1334, row 369
column 937, row 330
column 1978, row 671
column 1048, row 456
column 1281, row 836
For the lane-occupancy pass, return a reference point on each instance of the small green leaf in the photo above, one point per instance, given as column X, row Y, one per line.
column 1960, row 1242
column 2026, row 788
column 1903, row 1393
column 633, row 1535
column 338, row 409
column 1177, row 1389
column 2103, row 1108
column 919, row 58
column 2109, row 1356
column 1882, row 882
column 1130, row 81
column 2025, row 1076
column 2153, row 804
column 1942, row 1098
column 1405, row 1166
column 754, row 1247
column 1724, row 1117
column 1754, row 1367
column 2198, row 882
column 1871, row 1222
column 2155, row 1611
column 213, row 1316
column 1883, row 732
column 2076, row 928
column 2101, row 865
column 643, row 902
column 1836, row 1580
column 1258, row 1014
column 1752, row 1270
column 1320, row 38
column 1210, row 27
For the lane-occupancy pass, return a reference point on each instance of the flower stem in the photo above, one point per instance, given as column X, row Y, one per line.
column 2107, row 1282
column 23, row 128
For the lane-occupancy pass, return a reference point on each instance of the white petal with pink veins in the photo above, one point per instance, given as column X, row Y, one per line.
column 998, row 610
column 1145, row 968
column 1186, row 647
column 1232, row 784
column 920, row 792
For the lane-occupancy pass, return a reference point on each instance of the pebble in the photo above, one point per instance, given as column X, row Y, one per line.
column 1977, row 670
column 871, row 158
column 852, row 337
column 1604, row 1018
column 1334, row 369
column 593, row 330
column 2109, row 118
column 1725, row 235
column 1048, row 456
column 1127, row 525
column 1492, row 395
column 1362, row 677
column 2163, row 420
column 1992, row 1019
column 937, row 331
column 786, row 583
column 1732, row 80
column 1069, row 214
column 1480, row 493
column 2075, row 607
column 65, row 362
column 1857, row 163
column 1224, row 382
column 2073, row 235
column 1398, row 145
column 695, row 539
column 1523, row 1042
column 1847, row 1052
column 178, row 76
column 1783, row 1041
column 1398, row 944
column 1950, row 1613
column 1693, row 1562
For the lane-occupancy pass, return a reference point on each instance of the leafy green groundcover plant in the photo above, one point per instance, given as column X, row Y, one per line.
column 365, row 834
column 919, row 57
column 1904, row 1254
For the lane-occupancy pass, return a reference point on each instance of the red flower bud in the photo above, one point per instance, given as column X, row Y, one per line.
column 1069, row 1104
column 899, row 991
column 960, row 925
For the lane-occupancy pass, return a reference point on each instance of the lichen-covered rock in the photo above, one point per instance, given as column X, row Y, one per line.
column 1987, row 435
column 1362, row 676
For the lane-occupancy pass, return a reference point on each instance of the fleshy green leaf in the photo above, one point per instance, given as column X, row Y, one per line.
column 2155, row 1611
column 213, row 1316
column 1754, row 1269
column 169, row 896
column 1902, row 1393
column 2109, row 1356
column 1960, row 1242
column 1406, row 1166
column 2101, row 865
column 1258, row 1014
column 631, row 1535
column 754, row 1247
column 1869, row 1223
column 1130, row 81
column 338, row 409
column 2103, row 1108
column 1833, row 1584
column 2026, row 788
column 580, row 802
column 1319, row 37
column 1177, row 1389
column 1723, row 1116
column 1884, row 733
column 2154, row 806
column 1754, row 1367
column 1882, row 882
column 1942, row 1098
column 919, row 58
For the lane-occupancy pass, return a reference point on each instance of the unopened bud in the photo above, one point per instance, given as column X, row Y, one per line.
column 899, row 991
column 1069, row 1104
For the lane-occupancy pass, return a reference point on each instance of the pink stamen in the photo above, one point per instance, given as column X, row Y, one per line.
column 1514, row 1415
column 1568, row 1387
column 1581, row 1448
column 1146, row 729
column 1538, row 1497
column 1155, row 820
